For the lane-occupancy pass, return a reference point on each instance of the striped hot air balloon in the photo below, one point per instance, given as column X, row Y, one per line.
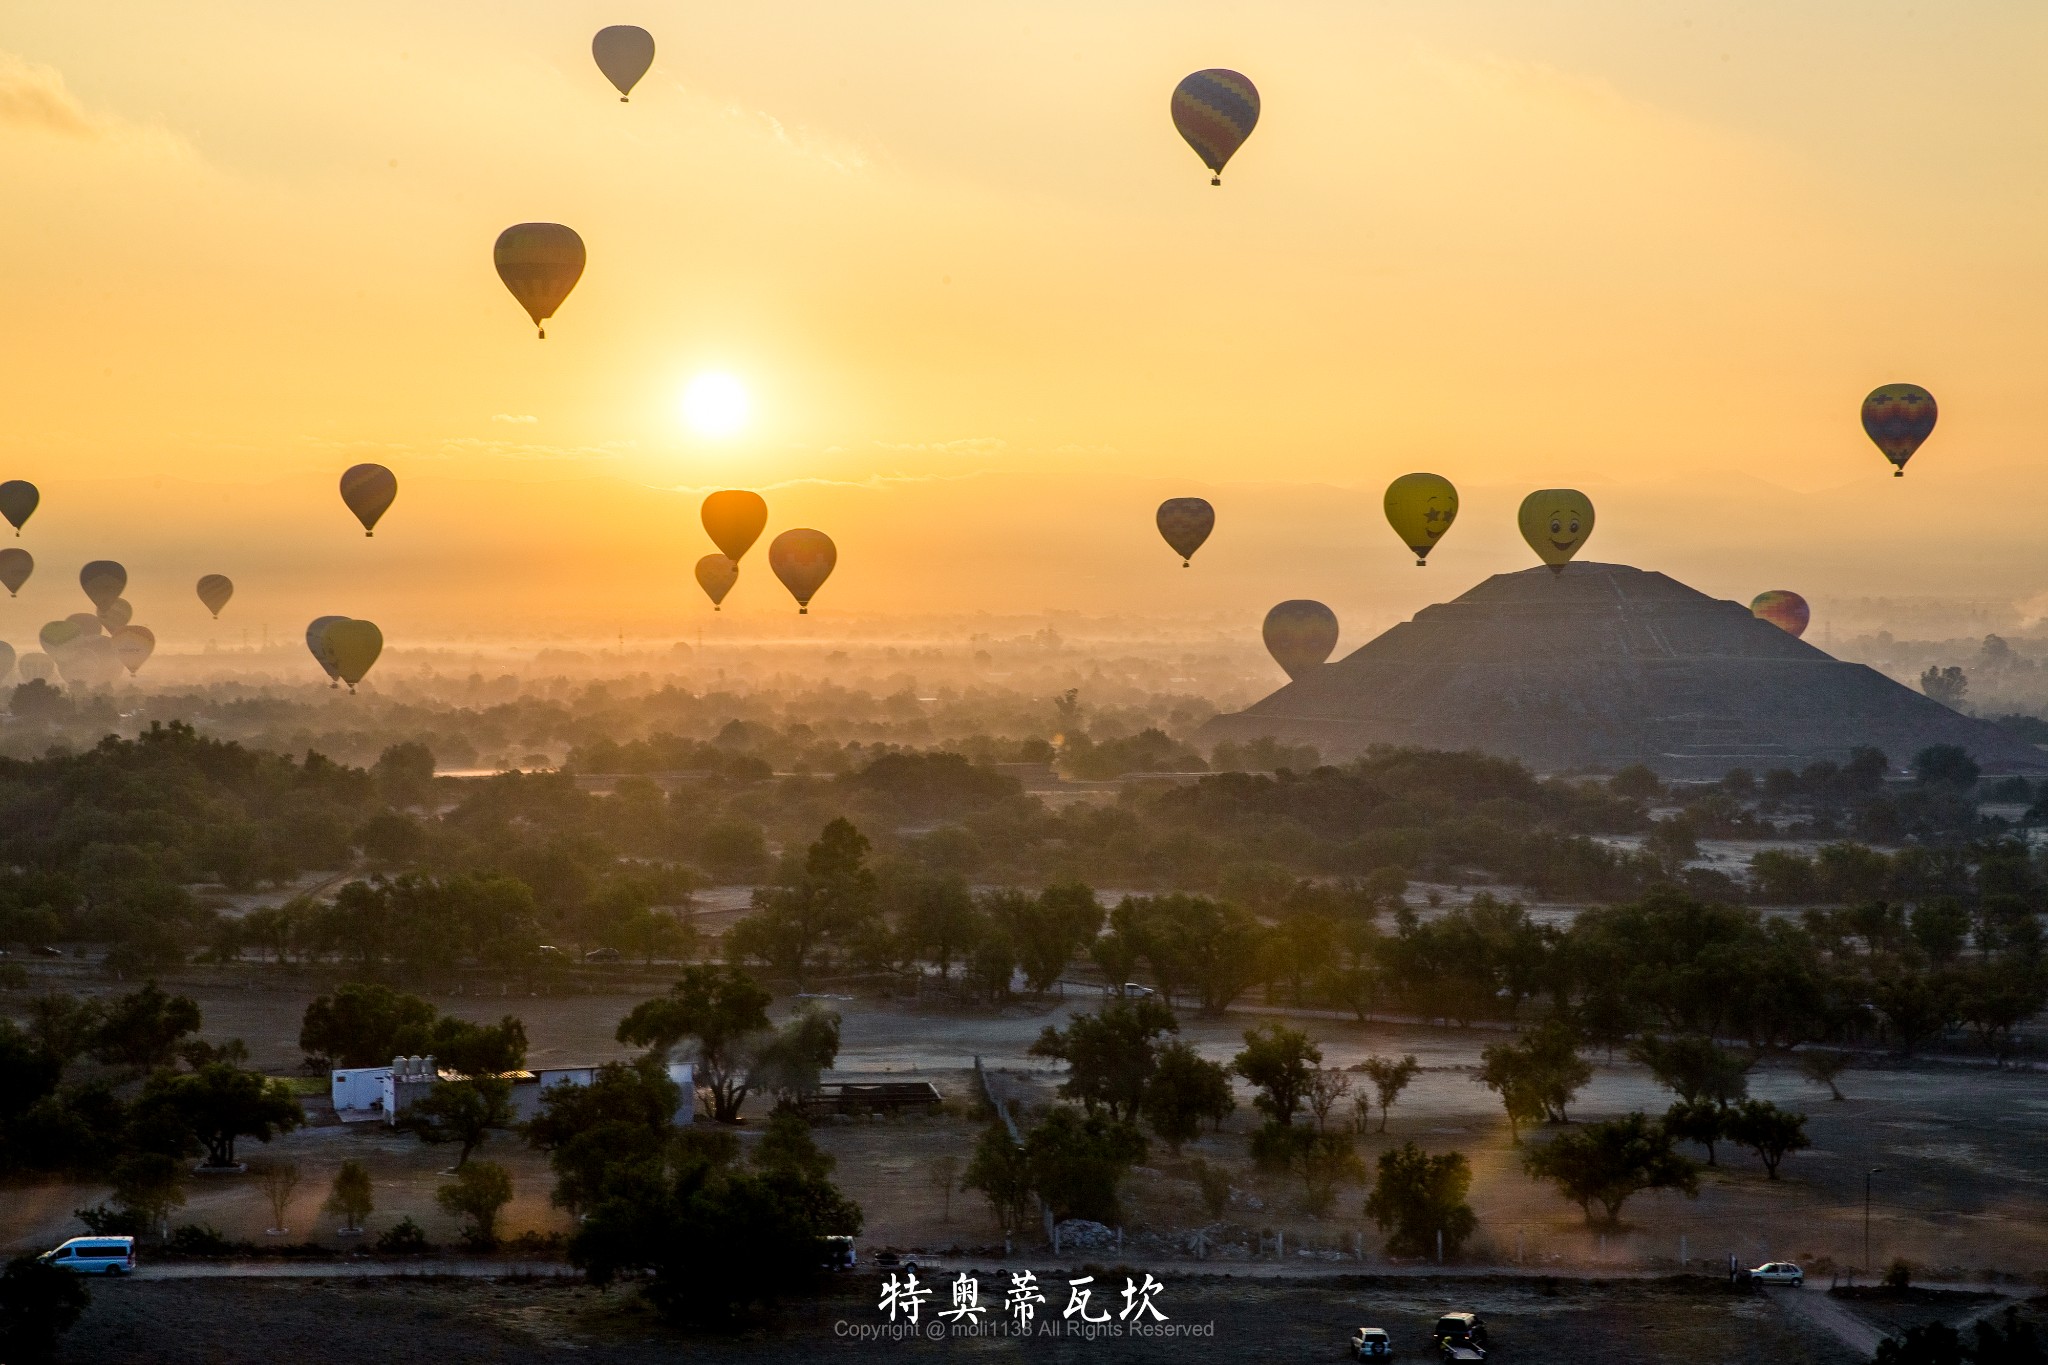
column 1784, row 609
column 1215, row 111
column 1897, row 418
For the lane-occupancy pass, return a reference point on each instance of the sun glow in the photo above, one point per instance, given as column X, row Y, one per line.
column 716, row 404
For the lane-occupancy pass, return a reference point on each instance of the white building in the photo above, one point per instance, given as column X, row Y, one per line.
column 372, row 1093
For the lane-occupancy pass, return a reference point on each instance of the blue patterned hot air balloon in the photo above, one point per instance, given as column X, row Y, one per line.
column 1215, row 111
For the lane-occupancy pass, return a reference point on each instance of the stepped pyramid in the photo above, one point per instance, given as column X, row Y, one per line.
column 1602, row 666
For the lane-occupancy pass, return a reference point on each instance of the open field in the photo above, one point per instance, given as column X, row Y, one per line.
column 1964, row 1188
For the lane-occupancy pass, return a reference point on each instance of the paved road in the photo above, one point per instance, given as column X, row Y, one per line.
column 345, row 1270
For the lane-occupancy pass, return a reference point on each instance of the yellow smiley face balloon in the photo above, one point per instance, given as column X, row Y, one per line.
column 1556, row 522
column 1420, row 508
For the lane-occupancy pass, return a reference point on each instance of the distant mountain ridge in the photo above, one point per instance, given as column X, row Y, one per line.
column 1605, row 665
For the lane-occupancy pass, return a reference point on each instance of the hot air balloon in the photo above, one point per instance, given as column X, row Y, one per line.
column 369, row 490
column 734, row 519
column 116, row 614
column 803, row 560
column 1300, row 635
column 16, row 565
column 88, row 623
column 1898, row 417
column 716, row 574
column 1215, row 111
column 355, row 645
column 540, row 263
column 623, row 53
column 57, row 636
column 18, row 499
column 1186, row 523
column 133, row 645
column 1784, row 609
column 214, row 591
column 6, row 659
column 1420, row 508
column 1556, row 522
column 37, row 668
column 90, row 660
column 103, row 581
column 316, row 643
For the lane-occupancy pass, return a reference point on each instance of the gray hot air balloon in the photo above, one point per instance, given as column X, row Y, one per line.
column 623, row 53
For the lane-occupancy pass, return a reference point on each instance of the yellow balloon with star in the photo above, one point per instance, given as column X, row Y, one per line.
column 1420, row 508
column 1556, row 522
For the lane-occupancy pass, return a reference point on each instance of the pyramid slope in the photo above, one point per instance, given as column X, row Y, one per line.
column 1605, row 665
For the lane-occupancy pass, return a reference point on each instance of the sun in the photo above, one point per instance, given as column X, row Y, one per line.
column 715, row 404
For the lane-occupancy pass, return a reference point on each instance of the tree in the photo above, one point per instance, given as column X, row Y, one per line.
column 944, row 1174
column 38, row 1305
column 938, row 919
column 1946, row 765
column 1932, row 1343
column 1185, row 1089
column 220, row 1103
column 1279, row 1061
column 1946, row 685
column 715, row 1243
column 149, row 1185
column 1111, row 1055
column 722, row 1011
column 405, row 773
column 363, row 1025
column 1607, row 1162
column 280, row 1179
column 787, row 1147
column 789, row 1064
column 1002, row 1173
column 1537, row 1076
column 1695, row 1067
column 1077, row 1163
column 351, row 1197
column 1325, row 1089
column 826, row 901
column 1327, row 1160
column 1389, row 1078
column 143, row 1029
column 1701, row 1121
column 479, row 1192
column 1823, row 1068
column 462, row 1112
column 1417, row 1196
column 1051, row 929
column 621, row 1122
column 1772, row 1133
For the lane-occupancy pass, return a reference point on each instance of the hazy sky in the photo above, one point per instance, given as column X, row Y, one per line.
column 990, row 309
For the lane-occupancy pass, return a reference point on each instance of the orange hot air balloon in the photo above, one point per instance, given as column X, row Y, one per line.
column 15, row 567
column 540, row 263
column 803, row 560
column 716, row 574
column 1300, row 635
column 734, row 519
column 1185, row 523
column 214, row 591
column 354, row 646
column 1784, row 609
column 1897, row 418
column 369, row 490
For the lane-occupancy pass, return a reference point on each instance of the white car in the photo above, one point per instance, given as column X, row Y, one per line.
column 1778, row 1272
column 1371, row 1343
column 94, row 1256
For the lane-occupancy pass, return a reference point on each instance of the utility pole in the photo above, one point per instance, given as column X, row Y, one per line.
column 1874, row 1170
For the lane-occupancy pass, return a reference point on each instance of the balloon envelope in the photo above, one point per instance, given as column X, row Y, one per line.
column 1784, row 609
column 103, row 581
column 1185, row 523
column 59, row 635
column 540, row 263
column 1898, row 417
column 133, row 645
column 115, row 614
column 716, row 574
column 355, row 646
column 803, row 560
column 88, row 622
column 6, row 659
column 37, row 668
column 1420, row 508
column 16, row 565
column 1215, row 111
column 623, row 53
column 1556, row 522
column 734, row 519
column 1300, row 635
column 316, row 643
column 90, row 660
column 18, row 499
column 369, row 490
column 214, row 591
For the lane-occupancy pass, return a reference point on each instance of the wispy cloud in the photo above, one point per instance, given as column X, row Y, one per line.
column 35, row 100
column 518, row 418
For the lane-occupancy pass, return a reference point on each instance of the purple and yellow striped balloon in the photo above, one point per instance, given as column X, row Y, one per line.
column 1784, row 609
column 1215, row 111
